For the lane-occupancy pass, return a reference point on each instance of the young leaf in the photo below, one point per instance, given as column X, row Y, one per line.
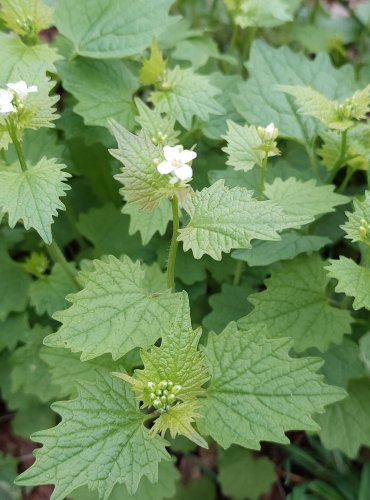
column 12, row 330
column 353, row 280
column 132, row 26
column 258, row 391
column 223, row 218
column 262, row 14
column 242, row 144
column 100, row 442
column 33, row 196
column 295, row 305
column 161, row 129
column 357, row 225
column 90, row 82
column 153, row 69
column 346, row 425
column 186, row 94
column 26, row 17
column 115, row 311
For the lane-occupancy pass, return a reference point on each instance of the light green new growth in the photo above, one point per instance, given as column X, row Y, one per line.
column 353, row 280
column 26, row 17
column 185, row 94
column 331, row 113
column 115, row 312
column 257, row 391
column 161, row 129
column 250, row 13
column 33, row 196
column 295, row 305
column 242, row 144
column 172, row 378
column 357, row 227
column 223, row 218
column 101, row 441
column 152, row 70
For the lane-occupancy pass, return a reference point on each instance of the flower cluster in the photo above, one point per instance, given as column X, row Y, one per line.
column 364, row 230
column 163, row 395
column 176, row 163
column 14, row 95
column 268, row 136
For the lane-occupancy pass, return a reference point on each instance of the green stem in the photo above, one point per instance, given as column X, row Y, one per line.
column 250, row 34
column 342, row 187
column 174, row 245
column 263, row 173
column 365, row 261
column 239, row 268
column 57, row 255
column 234, row 36
column 12, row 129
column 342, row 154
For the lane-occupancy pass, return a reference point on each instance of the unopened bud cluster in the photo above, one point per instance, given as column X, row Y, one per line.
column 268, row 136
column 160, row 138
column 163, row 395
column 364, row 231
column 346, row 109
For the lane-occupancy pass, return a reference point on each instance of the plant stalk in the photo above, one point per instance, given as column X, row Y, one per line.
column 57, row 256
column 263, row 173
column 174, row 245
column 17, row 145
column 340, row 159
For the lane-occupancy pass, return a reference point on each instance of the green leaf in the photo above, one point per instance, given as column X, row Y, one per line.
column 260, row 102
column 100, row 442
column 12, row 330
column 292, row 243
column 243, row 476
column 33, row 196
column 295, row 305
column 90, row 82
column 153, row 69
column 168, row 475
column 228, row 305
column 304, row 199
column 258, row 391
column 149, row 222
column 223, row 218
column 346, row 425
column 161, row 129
column 48, row 293
column 197, row 489
column 364, row 343
column 262, row 14
column 353, row 280
column 186, row 94
column 242, row 144
column 113, row 29
column 115, row 311
column 14, row 284
column 31, row 417
column 359, row 218
column 26, row 17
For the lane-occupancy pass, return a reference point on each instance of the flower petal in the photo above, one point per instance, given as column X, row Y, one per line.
column 187, row 155
column 7, row 108
column 173, row 180
column 5, row 97
column 33, row 88
column 171, row 152
column 165, row 167
column 184, row 173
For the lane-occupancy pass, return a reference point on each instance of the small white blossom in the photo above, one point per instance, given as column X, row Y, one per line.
column 21, row 89
column 176, row 163
column 6, row 99
column 270, row 131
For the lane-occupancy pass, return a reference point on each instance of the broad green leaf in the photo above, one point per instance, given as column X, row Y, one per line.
column 143, row 184
column 346, row 425
column 153, row 69
column 48, row 293
column 197, row 489
column 243, row 476
column 32, row 416
column 100, row 442
column 188, row 270
column 168, row 475
column 186, row 94
column 16, row 53
column 14, row 284
column 357, row 225
column 198, row 51
column 230, row 304
column 292, row 243
column 262, row 14
column 26, row 17
column 148, row 222
column 29, row 373
column 364, row 344
column 260, row 102
column 160, row 128
column 223, row 218
column 12, row 330
column 304, row 199
column 257, row 391
column 353, row 280
column 176, row 364
column 242, row 144
column 113, row 28
column 33, row 196
column 114, row 312
column 90, row 82
column 295, row 305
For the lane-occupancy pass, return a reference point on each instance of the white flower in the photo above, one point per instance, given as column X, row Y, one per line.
column 6, row 99
column 21, row 89
column 270, row 131
column 176, row 163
